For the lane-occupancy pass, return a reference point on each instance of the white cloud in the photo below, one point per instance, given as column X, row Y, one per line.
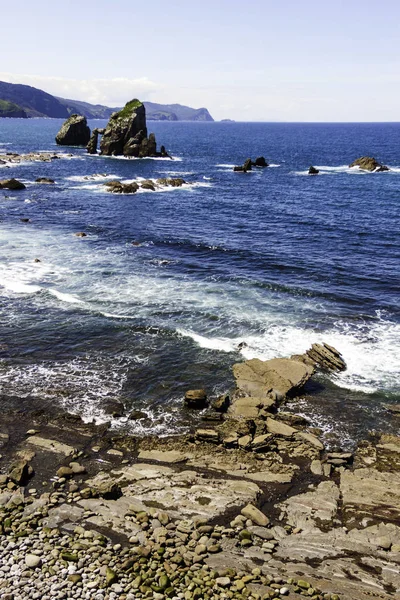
column 111, row 92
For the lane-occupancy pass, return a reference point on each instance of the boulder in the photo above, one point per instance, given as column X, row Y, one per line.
column 74, row 132
column 44, row 180
column 196, row 399
column 327, row 357
column 279, row 375
column 20, row 472
column 11, row 184
column 104, row 487
column 255, row 515
column 148, row 185
column 368, row 163
column 221, row 404
column 260, row 162
column 313, row 171
column 126, row 133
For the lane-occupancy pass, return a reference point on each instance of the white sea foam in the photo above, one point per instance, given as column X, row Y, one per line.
column 65, row 297
column 88, row 178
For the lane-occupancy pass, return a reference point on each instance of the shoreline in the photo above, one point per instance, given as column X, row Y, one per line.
column 250, row 505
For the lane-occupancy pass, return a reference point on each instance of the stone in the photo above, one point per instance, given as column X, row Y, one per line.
column 313, row 171
column 368, row 163
column 65, row 472
column 221, row 404
column 117, row 187
column 105, row 487
column 92, row 144
column 207, row 435
column 50, row 445
column 250, row 407
column 378, row 493
column 260, row 378
column 32, row 561
column 45, row 180
column 74, row 132
column 81, row 234
column 255, row 515
column 166, row 456
column 115, row 408
column 196, row 399
column 245, row 167
column 20, row 471
column 326, row 357
column 310, row 439
column 11, row 184
column 223, row 581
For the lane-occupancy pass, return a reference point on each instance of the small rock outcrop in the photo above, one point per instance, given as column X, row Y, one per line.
column 126, row 134
column 260, row 162
column 368, row 163
column 196, row 399
column 44, row 180
column 92, row 144
column 245, row 167
column 74, row 132
column 313, row 171
column 11, row 184
column 326, row 357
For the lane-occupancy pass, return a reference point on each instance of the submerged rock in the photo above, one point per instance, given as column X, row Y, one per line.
column 368, row 163
column 11, row 184
column 313, row 171
column 74, row 132
column 44, row 180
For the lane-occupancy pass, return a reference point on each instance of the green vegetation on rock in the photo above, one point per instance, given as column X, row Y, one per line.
column 126, row 112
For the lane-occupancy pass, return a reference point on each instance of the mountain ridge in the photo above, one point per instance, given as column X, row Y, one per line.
column 35, row 102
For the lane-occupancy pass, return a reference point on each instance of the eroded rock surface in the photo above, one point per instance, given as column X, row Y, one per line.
column 74, row 132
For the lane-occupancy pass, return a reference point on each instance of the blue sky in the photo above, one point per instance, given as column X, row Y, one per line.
column 255, row 61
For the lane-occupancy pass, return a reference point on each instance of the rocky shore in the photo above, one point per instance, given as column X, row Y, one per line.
column 249, row 505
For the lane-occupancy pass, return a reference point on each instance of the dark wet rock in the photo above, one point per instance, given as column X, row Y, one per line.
column 260, row 162
column 74, row 132
column 368, row 163
column 393, row 408
column 81, row 234
column 148, row 185
column 117, row 187
column 114, row 408
column 11, row 184
column 92, row 144
column 313, row 171
column 245, row 167
column 171, row 181
column 126, row 133
column 326, row 357
column 25, row 220
column 136, row 415
column 44, row 180
column 196, row 399
column 164, row 153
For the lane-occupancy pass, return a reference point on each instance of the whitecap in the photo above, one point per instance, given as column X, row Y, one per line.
column 65, row 297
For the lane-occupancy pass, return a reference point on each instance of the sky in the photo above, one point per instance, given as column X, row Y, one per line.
column 262, row 60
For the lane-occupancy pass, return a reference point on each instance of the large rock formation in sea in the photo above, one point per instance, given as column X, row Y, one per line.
column 74, row 132
column 368, row 163
column 126, row 134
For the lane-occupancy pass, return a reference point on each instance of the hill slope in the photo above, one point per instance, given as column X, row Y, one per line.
column 37, row 103
column 9, row 109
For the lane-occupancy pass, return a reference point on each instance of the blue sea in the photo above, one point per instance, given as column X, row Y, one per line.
column 165, row 286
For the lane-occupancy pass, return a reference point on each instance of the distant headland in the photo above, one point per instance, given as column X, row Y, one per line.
column 24, row 101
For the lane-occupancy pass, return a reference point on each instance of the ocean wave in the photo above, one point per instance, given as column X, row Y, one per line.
column 158, row 158
column 90, row 177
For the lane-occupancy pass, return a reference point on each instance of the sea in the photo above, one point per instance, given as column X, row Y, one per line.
column 166, row 285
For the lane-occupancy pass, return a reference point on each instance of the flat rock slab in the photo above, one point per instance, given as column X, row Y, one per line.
column 320, row 505
column 371, row 492
column 186, row 493
column 50, row 445
column 165, row 456
column 259, row 378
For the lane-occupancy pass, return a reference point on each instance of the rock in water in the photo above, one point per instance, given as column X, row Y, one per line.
column 245, row 167
column 126, row 133
column 367, row 163
column 260, row 162
column 313, row 171
column 326, row 357
column 11, row 184
column 74, row 132
column 92, row 145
